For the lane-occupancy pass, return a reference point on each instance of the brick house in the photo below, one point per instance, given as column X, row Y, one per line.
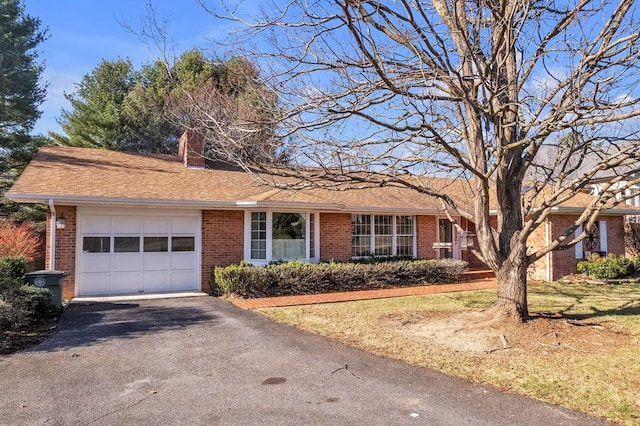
column 125, row 223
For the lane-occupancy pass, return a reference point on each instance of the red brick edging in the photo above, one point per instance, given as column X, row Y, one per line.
column 347, row 296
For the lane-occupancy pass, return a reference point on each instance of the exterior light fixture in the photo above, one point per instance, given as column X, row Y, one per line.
column 467, row 239
column 61, row 223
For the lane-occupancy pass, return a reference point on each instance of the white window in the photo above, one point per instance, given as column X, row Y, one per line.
column 382, row 235
column 281, row 236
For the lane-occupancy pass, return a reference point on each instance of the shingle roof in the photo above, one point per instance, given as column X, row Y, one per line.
column 76, row 175
column 81, row 175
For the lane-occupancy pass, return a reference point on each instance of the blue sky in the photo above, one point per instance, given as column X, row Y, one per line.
column 82, row 33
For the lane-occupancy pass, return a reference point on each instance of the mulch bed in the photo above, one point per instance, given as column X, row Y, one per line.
column 20, row 339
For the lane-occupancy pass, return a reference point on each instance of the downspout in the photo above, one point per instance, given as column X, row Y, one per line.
column 546, row 243
column 52, row 232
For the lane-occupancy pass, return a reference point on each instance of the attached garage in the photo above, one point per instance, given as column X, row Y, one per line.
column 132, row 252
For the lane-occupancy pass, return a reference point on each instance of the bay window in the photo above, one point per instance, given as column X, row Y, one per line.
column 382, row 235
column 281, row 236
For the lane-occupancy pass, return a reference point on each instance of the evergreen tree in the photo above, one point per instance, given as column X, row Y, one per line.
column 20, row 96
column 20, row 91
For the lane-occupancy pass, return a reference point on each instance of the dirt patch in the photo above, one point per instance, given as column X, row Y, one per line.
column 483, row 333
column 20, row 339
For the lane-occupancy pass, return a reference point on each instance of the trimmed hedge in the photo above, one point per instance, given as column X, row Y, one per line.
column 609, row 267
column 21, row 305
column 297, row 278
column 26, row 306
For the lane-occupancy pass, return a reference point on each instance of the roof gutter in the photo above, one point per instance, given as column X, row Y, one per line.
column 52, row 246
column 223, row 205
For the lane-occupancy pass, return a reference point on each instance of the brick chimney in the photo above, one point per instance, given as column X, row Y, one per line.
column 191, row 149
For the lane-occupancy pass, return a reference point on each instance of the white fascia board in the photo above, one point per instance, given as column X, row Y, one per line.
column 79, row 201
column 247, row 204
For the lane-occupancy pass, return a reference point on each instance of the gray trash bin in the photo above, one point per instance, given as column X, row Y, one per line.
column 51, row 280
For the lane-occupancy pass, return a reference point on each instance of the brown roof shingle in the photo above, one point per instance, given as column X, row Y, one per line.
column 82, row 175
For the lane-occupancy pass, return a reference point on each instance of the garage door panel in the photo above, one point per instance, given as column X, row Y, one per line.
column 97, row 224
column 156, row 281
column 126, row 282
column 96, row 283
column 182, row 261
column 182, row 280
column 157, row 225
column 96, row 262
column 127, row 224
column 156, row 262
column 123, row 262
column 184, row 225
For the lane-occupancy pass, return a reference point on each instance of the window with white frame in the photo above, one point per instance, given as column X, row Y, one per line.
column 258, row 235
column 404, row 236
column 361, row 235
column 382, row 235
column 281, row 236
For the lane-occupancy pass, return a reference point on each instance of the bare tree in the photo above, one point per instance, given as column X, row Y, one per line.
column 227, row 104
column 511, row 96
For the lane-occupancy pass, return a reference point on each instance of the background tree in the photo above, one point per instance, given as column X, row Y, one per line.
column 20, row 96
column 118, row 107
column 227, row 103
column 395, row 92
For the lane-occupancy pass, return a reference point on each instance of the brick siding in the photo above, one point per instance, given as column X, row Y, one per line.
column 563, row 262
column 426, row 236
column 335, row 236
column 222, row 240
column 65, row 248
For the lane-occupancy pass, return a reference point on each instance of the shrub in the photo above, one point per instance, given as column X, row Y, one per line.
column 13, row 267
column 26, row 306
column 18, row 240
column 21, row 305
column 609, row 267
column 294, row 278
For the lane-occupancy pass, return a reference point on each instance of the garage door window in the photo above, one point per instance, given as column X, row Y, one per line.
column 96, row 244
column 183, row 244
column 126, row 244
column 156, row 244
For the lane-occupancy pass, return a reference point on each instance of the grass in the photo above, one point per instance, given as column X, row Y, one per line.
column 593, row 366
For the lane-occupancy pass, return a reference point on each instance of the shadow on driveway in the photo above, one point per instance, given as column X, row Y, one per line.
column 91, row 323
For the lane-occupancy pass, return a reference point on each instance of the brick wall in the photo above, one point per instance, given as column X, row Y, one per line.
column 65, row 248
column 564, row 262
column 222, row 240
column 335, row 236
column 538, row 239
column 426, row 235
column 467, row 255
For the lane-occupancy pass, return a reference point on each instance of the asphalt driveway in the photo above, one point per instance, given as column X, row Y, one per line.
column 204, row 361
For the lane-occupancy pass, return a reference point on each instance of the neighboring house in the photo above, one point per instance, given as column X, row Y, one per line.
column 125, row 223
column 631, row 194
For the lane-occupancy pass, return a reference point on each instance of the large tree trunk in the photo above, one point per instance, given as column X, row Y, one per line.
column 512, row 283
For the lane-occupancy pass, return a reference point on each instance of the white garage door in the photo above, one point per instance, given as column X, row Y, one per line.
column 125, row 253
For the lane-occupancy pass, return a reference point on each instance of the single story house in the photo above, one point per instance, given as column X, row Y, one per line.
column 123, row 223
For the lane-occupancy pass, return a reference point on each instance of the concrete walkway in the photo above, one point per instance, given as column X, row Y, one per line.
column 348, row 296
